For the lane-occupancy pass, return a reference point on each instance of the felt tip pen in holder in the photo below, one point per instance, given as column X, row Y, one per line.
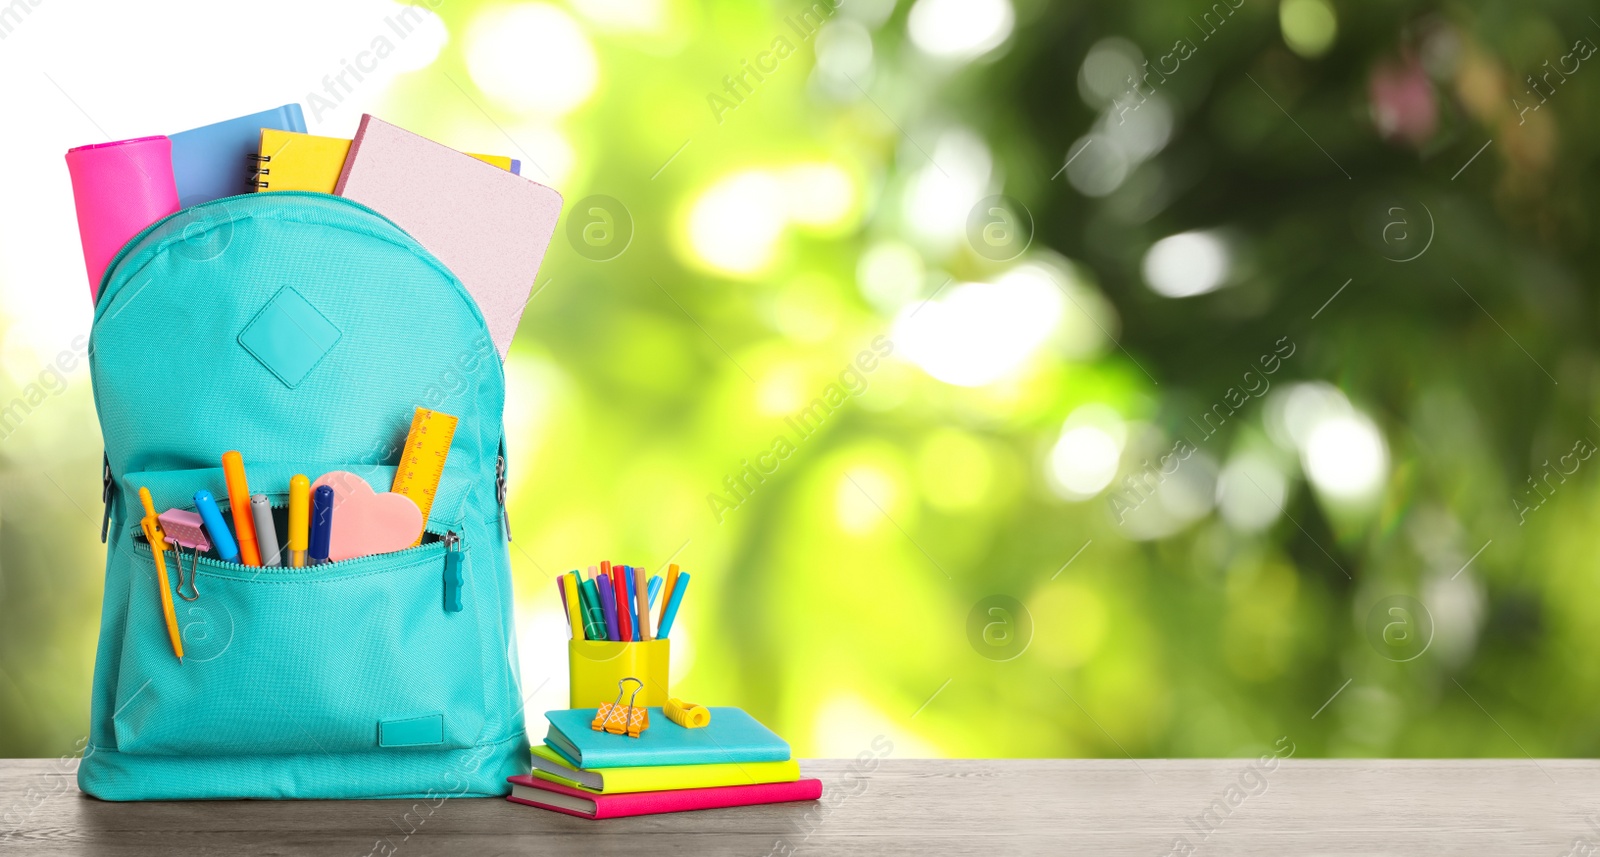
column 221, row 537
column 266, row 532
column 628, row 575
column 608, row 607
column 573, row 617
column 671, row 611
column 299, row 519
column 239, row 503
column 641, row 598
column 585, row 609
column 619, row 591
column 569, row 584
column 321, row 523
column 594, row 618
column 666, row 595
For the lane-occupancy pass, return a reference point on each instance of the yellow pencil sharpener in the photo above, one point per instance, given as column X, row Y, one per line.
column 595, row 666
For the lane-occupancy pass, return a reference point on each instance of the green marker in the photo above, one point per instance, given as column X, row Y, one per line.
column 594, row 623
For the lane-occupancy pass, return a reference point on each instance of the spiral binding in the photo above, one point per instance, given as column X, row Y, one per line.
column 256, row 173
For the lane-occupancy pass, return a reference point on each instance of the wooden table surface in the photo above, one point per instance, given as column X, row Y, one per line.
column 904, row 807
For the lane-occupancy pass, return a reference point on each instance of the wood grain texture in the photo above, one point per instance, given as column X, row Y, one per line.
column 902, row 807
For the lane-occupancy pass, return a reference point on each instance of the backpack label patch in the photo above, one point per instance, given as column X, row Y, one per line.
column 411, row 731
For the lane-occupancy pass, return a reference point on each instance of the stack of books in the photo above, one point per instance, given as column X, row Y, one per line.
column 733, row 761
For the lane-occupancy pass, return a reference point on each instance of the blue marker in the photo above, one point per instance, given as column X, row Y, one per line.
column 211, row 516
column 321, row 523
column 672, row 606
column 655, row 589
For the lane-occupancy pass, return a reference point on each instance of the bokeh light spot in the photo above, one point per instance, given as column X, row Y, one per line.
column 734, row 226
column 1309, row 26
column 844, row 56
column 532, row 57
column 818, row 194
column 643, row 16
column 1187, row 264
column 1104, row 74
column 979, row 333
column 960, row 29
column 1097, row 166
column 1084, row 461
column 781, row 391
column 940, row 194
column 1345, row 456
column 1251, row 491
column 425, row 37
column 889, row 274
column 863, row 497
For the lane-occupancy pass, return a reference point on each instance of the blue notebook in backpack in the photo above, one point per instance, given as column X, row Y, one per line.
column 214, row 161
column 302, row 330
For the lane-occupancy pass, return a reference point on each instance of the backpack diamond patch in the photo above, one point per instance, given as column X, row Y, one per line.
column 289, row 336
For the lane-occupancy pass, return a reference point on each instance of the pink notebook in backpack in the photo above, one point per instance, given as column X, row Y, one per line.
column 488, row 226
column 120, row 188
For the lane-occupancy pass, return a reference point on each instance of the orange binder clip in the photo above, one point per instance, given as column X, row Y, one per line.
column 617, row 719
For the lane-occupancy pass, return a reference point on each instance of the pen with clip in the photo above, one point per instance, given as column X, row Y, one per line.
column 151, row 525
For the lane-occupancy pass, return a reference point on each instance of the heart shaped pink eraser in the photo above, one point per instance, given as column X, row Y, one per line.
column 366, row 522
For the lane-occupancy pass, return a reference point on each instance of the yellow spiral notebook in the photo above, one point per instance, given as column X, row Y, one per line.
column 291, row 161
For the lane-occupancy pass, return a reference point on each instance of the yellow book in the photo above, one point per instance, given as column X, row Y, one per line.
column 548, row 765
column 291, row 161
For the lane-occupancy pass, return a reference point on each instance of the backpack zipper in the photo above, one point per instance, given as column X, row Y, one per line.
column 453, row 579
column 128, row 248
column 321, row 566
column 105, row 494
column 500, row 487
column 452, row 572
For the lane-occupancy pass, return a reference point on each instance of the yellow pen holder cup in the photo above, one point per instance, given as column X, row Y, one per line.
column 595, row 666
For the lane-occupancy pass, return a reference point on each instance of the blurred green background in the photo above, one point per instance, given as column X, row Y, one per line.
column 1239, row 375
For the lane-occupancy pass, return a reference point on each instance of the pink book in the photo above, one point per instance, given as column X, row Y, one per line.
column 488, row 226
column 585, row 804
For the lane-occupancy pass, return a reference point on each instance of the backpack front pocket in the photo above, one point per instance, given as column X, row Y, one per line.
column 349, row 656
column 346, row 656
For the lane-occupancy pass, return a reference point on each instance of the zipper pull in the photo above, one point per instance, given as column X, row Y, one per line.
column 500, row 488
column 452, row 573
column 105, row 494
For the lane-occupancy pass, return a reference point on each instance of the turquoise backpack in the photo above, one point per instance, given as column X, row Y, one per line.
column 302, row 330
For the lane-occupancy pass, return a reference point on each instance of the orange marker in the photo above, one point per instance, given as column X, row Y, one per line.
column 666, row 593
column 239, row 503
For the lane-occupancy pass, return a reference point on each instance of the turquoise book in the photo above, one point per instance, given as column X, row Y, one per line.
column 732, row 737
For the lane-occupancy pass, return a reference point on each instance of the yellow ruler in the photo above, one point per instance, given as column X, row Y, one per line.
column 422, row 461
